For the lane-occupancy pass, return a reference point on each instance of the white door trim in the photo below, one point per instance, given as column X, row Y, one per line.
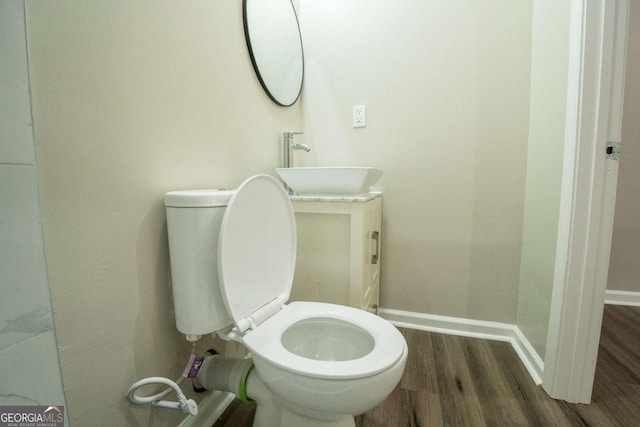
column 596, row 76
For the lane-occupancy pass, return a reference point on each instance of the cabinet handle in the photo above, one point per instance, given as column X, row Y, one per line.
column 376, row 237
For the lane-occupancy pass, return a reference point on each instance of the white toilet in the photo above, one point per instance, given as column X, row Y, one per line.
column 232, row 259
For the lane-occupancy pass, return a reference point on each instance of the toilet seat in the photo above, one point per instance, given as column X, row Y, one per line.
column 256, row 251
column 266, row 341
column 258, row 230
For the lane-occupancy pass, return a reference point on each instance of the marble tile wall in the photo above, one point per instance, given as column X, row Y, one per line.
column 29, row 366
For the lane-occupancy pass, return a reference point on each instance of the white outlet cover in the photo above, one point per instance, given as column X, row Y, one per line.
column 359, row 116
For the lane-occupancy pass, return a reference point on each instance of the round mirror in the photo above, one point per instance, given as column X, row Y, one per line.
column 275, row 46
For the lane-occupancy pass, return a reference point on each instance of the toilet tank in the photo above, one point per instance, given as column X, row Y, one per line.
column 193, row 224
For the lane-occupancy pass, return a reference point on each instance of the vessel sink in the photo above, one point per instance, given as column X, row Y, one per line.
column 330, row 180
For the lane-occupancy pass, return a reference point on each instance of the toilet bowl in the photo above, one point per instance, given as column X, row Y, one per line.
column 316, row 364
column 328, row 360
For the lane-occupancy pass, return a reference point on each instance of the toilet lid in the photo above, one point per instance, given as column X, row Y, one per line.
column 257, row 250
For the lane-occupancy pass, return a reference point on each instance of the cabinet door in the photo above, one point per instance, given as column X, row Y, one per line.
column 323, row 261
column 338, row 257
column 371, row 266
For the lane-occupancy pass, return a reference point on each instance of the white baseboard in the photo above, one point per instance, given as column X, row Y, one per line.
column 474, row 329
column 622, row 298
column 209, row 409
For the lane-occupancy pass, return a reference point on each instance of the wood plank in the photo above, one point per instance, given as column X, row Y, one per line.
column 620, row 402
column 498, row 405
column 419, row 362
column 455, row 383
column 537, row 407
column 620, row 343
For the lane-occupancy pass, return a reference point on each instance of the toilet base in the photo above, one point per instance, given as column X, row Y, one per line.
column 272, row 413
column 286, row 418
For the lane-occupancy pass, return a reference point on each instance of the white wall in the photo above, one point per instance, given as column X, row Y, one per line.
column 132, row 99
column 446, row 85
column 549, row 62
column 29, row 366
column 624, row 264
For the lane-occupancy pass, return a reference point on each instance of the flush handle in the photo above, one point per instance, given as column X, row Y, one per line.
column 375, row 236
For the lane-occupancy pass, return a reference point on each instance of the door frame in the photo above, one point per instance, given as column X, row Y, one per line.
column 597, row 48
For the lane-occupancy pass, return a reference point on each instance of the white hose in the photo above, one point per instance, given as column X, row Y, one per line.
column 184, row 405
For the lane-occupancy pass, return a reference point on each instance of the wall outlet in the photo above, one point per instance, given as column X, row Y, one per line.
column 359, row 116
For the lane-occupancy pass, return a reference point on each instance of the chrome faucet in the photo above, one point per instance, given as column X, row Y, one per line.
column 290, row 147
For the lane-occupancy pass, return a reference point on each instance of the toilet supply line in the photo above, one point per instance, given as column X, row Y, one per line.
column 183, row 404
column 188, row 406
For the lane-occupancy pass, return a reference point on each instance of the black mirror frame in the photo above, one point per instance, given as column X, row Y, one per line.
column 247, row 38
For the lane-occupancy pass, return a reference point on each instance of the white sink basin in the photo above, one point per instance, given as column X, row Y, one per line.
column 330, row 180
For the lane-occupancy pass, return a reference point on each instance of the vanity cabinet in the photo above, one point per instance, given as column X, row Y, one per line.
column 338, row 255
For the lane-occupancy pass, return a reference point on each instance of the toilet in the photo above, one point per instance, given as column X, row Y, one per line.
column 232, row 263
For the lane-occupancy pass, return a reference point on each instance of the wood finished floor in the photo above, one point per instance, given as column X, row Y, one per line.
column 457, row 381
